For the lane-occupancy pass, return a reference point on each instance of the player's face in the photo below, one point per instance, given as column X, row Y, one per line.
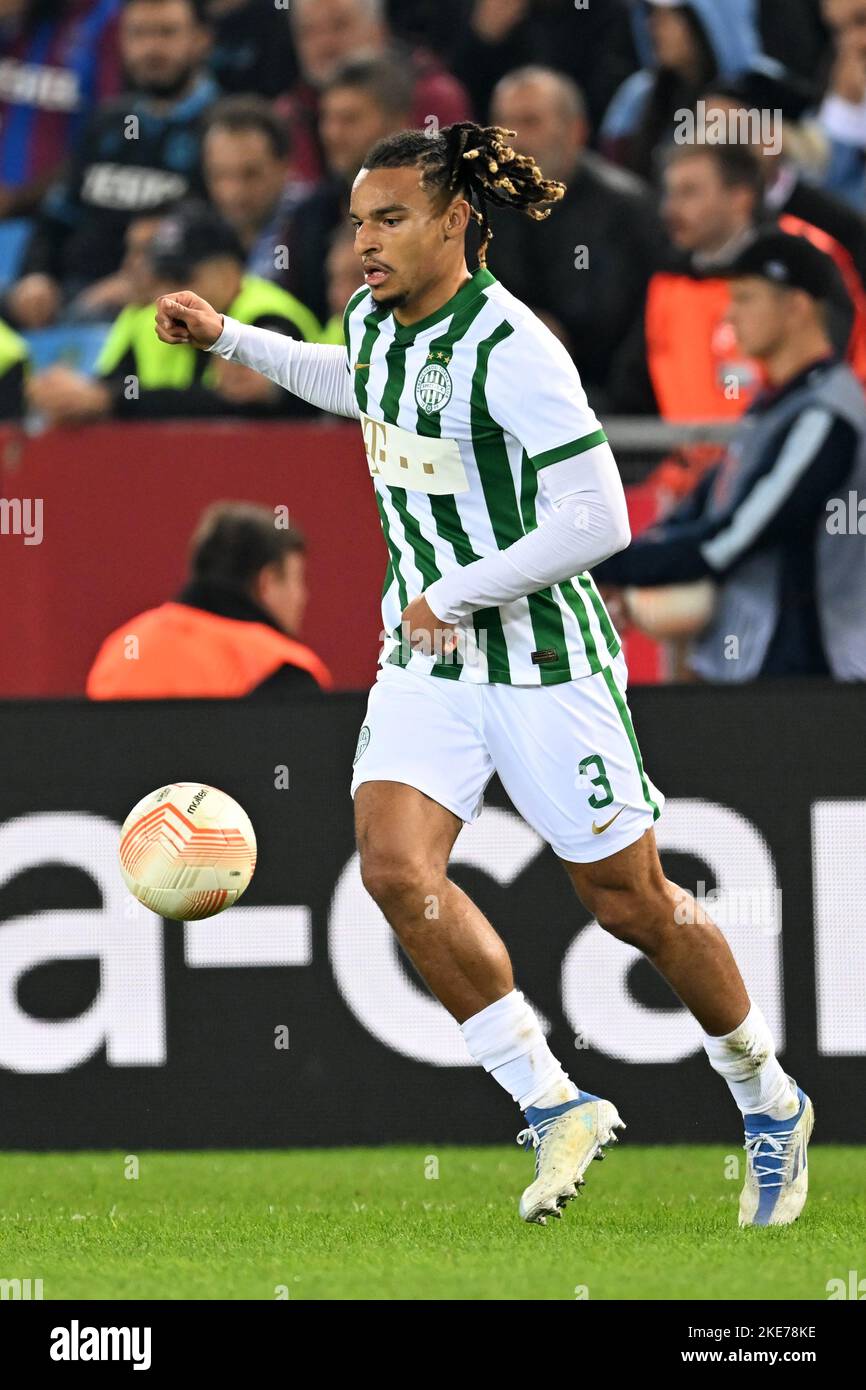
column 400, row 235
column 759, row 314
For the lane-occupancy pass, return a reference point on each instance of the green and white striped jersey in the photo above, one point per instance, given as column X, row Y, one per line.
column 460, row 412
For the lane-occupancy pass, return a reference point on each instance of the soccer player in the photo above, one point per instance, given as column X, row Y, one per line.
column 497, row 492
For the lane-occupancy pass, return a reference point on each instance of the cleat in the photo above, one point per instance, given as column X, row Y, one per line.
column 777, row 1176
column 566, row 1139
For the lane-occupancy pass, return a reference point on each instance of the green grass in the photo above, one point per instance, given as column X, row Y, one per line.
column 368, row 1224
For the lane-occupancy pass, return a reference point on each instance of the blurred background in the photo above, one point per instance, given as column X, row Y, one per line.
column 149, row 145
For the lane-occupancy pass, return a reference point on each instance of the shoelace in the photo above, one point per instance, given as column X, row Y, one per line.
column 534, row 1134
column 777, row 1150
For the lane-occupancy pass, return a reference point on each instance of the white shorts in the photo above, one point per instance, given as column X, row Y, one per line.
column 566, row 754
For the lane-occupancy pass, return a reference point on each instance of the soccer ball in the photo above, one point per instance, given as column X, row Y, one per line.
column 187, row 851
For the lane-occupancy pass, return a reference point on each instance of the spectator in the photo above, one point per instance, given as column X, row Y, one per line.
column 58, row 61
column 131, row 284
column 683, row 359
column 362, row 102
column 791, row 582
column 232, row 630
column 786, row 190
column 252, row 50
column 141, row 378
column 591, row 45
column 331, row 33
column 843, row 111
column 245, row 153
column 685, row 46
column 138, row 154
column 344, row 276
column 585, row 269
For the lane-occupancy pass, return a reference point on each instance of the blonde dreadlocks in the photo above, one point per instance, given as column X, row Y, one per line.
column 477, row 162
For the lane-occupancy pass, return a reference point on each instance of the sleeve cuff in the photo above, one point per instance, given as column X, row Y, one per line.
column 441, row 598
column 227, row 341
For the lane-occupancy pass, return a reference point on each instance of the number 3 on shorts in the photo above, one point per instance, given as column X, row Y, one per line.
column 604, row 796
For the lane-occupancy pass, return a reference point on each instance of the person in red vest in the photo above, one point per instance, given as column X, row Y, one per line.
column 231, row 631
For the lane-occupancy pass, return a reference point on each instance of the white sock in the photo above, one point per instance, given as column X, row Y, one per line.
column 506, row 1040
column 746, row 1058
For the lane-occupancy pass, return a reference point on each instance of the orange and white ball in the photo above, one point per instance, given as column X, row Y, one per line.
column 187, row 851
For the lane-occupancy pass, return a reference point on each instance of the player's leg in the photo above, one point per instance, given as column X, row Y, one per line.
column 420, row 773
column 404, row 841
column 630, row 897
column 569, row 759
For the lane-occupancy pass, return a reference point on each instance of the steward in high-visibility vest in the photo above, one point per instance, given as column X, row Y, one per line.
column 228, row 633
column 153, row 380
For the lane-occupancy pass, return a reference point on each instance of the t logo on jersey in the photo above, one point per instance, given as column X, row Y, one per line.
column 422, row 463
column 433, row 388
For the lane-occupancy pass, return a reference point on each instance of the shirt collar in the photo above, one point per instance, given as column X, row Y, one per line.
column 772, row 394
column 475, row 285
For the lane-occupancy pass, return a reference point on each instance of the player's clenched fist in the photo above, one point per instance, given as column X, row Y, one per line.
column 186, row 318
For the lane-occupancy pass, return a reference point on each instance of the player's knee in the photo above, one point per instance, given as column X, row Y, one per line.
column 639, row 918
column 394, row 880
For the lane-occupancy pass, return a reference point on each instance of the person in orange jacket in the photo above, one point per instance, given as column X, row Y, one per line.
column 682, row 361
column 230, row 632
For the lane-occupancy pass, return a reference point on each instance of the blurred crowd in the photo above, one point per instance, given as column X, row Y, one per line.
column 148, row 145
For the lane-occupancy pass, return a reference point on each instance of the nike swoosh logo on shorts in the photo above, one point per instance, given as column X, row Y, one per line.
column 600, row 829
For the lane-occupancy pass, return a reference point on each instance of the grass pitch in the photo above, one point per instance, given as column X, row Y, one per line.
column 370, row 1224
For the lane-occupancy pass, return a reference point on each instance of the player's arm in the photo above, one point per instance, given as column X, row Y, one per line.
column 543, row 405
column 316, row 372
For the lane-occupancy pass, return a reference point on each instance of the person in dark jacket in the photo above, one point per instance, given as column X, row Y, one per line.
column 591, row 43
column 138, row 154
column 365, row 100
column 232, row 630
column 772, row 524
column 684, row 45
column 585, row 268
column 252, row 49
column 787, row 190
